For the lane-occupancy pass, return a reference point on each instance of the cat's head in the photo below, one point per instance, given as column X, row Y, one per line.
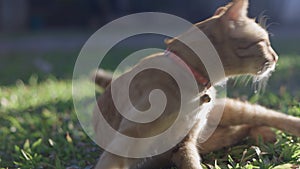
column 243, row 45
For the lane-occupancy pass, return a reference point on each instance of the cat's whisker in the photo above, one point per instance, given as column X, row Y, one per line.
column 270, row 24
column 271, row 34
column 262, row 20
column 260, row 81
column 197, row 98
column 249, row 78
column 236, row 80
column 244, row 79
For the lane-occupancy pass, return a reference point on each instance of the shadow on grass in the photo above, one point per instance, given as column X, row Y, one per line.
column 48, row 136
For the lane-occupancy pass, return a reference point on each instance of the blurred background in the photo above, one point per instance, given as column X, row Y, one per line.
column 45, row 37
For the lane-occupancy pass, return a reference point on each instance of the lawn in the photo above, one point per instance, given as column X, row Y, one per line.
column 39, row 128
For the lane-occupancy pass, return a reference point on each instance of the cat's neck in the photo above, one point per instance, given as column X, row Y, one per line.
column 187, row 55
column 201, row 79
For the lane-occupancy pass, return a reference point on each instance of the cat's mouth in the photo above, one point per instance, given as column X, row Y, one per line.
column 267, row 69
column 261, row 78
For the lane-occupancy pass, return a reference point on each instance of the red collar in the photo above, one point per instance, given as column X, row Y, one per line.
column 199, row 77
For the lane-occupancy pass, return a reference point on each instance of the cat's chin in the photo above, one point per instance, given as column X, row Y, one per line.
column 261, row 78
column 266, row 71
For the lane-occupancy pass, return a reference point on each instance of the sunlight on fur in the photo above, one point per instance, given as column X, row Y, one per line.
column 260, row 81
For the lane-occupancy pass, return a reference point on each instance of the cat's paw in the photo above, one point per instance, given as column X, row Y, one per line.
column 264, row 133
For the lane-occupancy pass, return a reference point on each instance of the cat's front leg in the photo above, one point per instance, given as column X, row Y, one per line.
column 111, row 161
column 186, row 155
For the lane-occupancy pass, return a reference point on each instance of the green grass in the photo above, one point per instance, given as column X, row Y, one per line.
column 39, row 128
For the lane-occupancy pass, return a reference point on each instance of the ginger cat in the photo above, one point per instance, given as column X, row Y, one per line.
column 244, row 48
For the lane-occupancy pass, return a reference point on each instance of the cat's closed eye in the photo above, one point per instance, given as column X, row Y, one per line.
column 250, row 49
column 246, row 44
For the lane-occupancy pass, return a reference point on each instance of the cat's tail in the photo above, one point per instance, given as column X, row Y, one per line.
column 102, row 77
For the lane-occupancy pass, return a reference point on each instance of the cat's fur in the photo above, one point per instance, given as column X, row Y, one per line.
column 244, row 48
column 239, row 120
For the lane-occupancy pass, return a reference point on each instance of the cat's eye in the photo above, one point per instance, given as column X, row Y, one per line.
column 250, row 49
column 251, row 44
column 268, row 43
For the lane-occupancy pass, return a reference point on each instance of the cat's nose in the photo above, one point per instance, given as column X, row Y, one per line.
column 274, row 54
column 275, row 57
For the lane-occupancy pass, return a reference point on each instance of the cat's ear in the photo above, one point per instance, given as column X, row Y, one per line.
column 220, row 11
column 168, row 41
column 237, row 11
